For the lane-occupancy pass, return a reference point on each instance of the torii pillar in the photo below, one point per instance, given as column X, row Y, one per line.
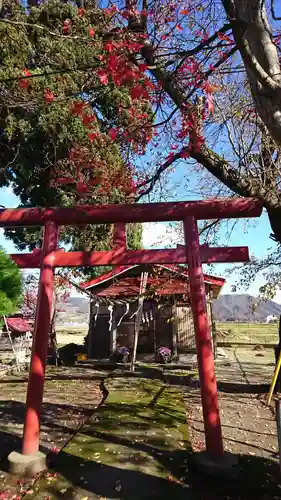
column 205, row 356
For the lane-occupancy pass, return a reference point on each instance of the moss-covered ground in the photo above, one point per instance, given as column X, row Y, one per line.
column 134, row 447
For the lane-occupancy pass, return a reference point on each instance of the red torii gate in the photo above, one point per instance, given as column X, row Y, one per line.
column 50, row 257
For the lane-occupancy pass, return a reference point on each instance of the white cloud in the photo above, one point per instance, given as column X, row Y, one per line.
column 159, row 235
column 277, row 297
column 7, row 198
column 8, row 190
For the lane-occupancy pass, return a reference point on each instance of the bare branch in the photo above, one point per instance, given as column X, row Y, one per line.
column 272, row 8
column 202, row 45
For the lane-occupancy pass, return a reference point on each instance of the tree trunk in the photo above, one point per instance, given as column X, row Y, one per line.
column 252, row 34
column 274, row 215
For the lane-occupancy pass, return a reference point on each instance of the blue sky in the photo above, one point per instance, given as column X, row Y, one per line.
column 254, row 234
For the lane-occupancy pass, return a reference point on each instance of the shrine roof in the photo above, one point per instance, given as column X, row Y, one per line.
column 119, row 271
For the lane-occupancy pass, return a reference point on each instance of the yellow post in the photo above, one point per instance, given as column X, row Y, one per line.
column 275, row 376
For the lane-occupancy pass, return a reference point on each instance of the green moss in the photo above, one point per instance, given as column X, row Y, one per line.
column 141, row 427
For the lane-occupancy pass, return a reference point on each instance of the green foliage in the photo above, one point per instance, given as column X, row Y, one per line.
column 10, row 285
column 134, row 242
column 38, row 135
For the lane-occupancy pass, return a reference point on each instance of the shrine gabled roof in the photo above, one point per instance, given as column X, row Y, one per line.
column 120, row 270
column 19, row 325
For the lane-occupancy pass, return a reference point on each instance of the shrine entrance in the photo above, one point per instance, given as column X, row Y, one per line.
column 192, row 254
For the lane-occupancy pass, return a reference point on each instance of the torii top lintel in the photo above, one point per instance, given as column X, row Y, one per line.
column 143, row 212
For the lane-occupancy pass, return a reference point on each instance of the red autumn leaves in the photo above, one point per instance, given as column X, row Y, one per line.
column 118, row 68
column 94, row 176
column 24, row 83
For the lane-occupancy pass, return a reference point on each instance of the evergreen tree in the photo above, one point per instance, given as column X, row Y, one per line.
column 59, row 117
column 10, row 285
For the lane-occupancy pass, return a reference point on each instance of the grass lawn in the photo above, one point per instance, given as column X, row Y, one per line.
column 249, row 332
column 136, row 446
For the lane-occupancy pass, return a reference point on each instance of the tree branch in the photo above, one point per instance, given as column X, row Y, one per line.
column 45, row 73
column 152, row 181
column 202, row 45
column 43, row 28
column 272, row 9
column 209, row 226
column 219, row 167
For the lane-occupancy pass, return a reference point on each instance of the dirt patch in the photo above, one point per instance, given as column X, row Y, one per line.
column 248, row 426
column 71, row 396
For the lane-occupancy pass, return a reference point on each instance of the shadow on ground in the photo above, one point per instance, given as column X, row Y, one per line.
column 257, row 478
column 133, row 448
column 242, row 388
column 109, row 481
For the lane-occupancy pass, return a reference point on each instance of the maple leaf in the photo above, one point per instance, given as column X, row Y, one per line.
column 111, row 10
column 184, row 154
column 224, row 37
column 66, row 26
column 77, row 107
column 138, row 91
column 143, row 67
column 125, row 14
column 113, row 62
column 170, row 156
column 92, row 136
column 210, row 104
column 64, row 180
column 23, row 84
column 48, row 96
column 109, row 46
column 87, row 120
column 134, row 46
column 113, row 132
column 209, row 91
column 102, row 76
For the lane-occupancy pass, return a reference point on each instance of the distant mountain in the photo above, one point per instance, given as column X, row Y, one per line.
column 74, row 311
column 234, row 307
column 82, row 304
column 243, row 307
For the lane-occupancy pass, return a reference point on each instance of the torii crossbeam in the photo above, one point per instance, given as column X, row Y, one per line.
column 50, row 257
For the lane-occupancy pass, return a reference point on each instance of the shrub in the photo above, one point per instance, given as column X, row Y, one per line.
column 10, row 285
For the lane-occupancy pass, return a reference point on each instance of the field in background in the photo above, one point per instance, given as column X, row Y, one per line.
column 253, row 333
column 68, row 335
column 250, row 333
